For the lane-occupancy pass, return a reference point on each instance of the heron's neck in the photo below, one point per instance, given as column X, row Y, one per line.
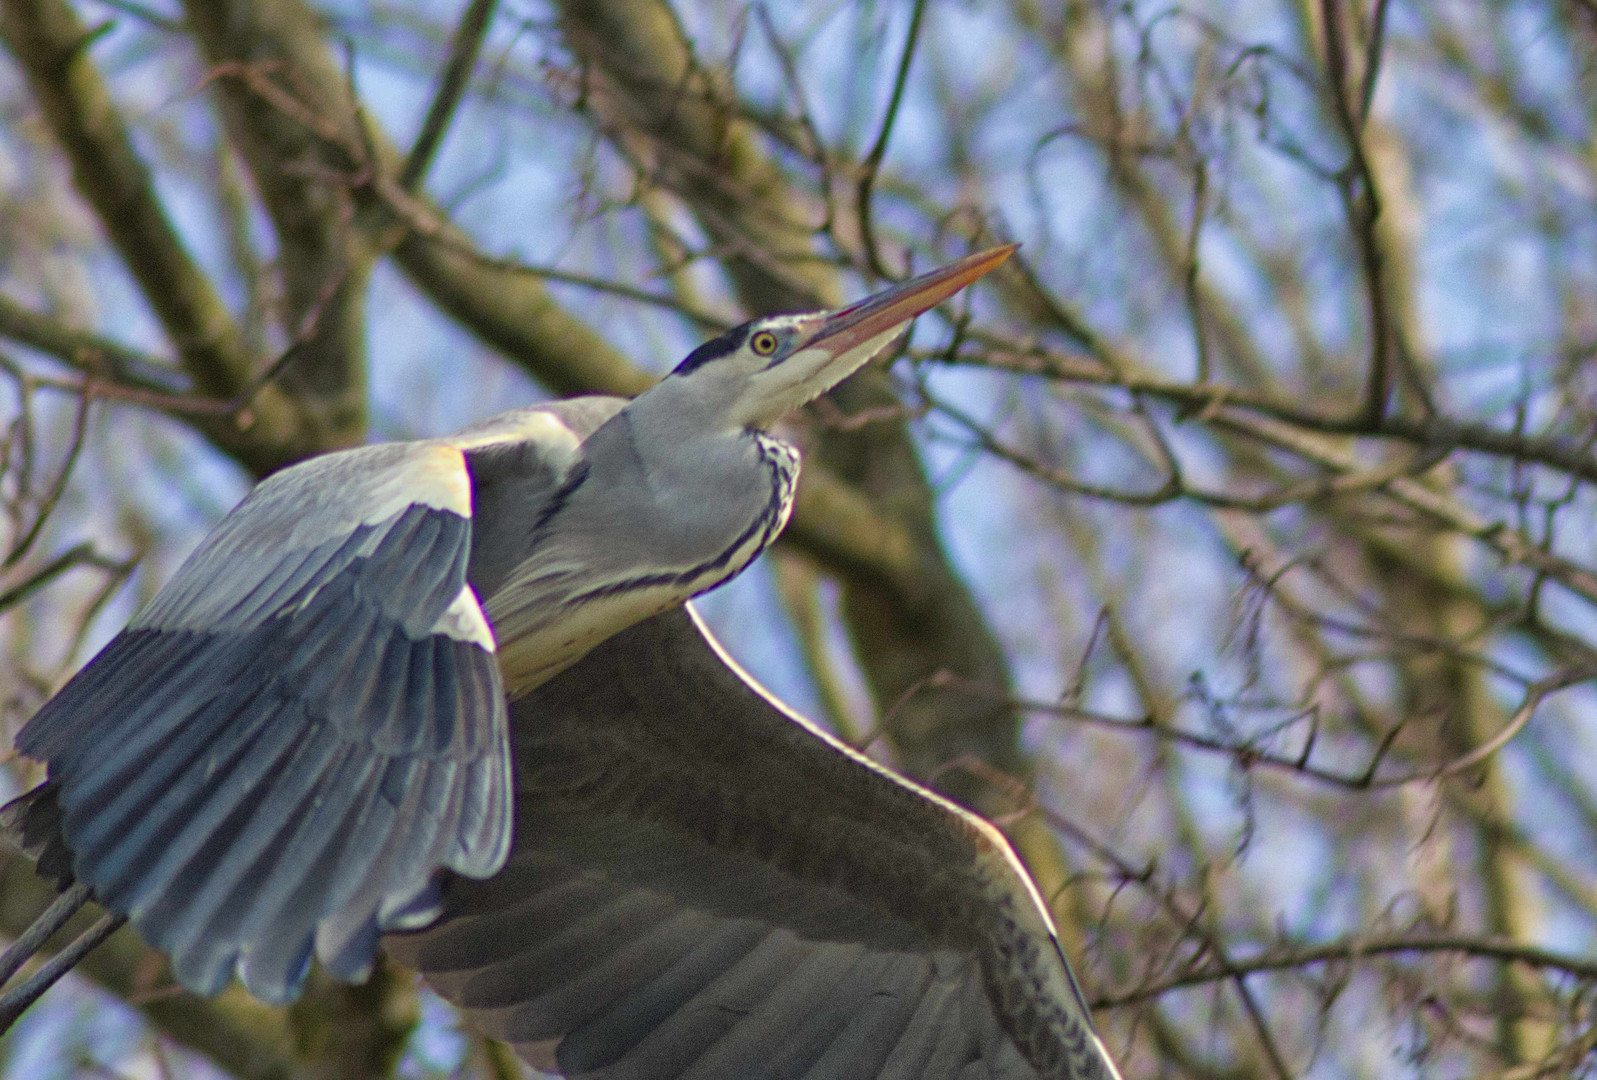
column 654, row 514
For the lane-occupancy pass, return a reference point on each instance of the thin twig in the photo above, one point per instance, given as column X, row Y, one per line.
column 873, row 160
column 452, row 83
column 47, row 505
column 1436, row 433
column 1355, row 948
column 79, row 555
column 1249, row 755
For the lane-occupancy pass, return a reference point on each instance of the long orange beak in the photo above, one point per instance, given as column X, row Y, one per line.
column 858, row 323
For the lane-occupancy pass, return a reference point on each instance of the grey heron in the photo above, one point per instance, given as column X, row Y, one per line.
column 450, row 691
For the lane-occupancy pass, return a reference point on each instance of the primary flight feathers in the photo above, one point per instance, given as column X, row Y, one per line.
column 307, row 723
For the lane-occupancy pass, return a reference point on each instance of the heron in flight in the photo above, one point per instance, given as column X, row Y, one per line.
column 448, row 696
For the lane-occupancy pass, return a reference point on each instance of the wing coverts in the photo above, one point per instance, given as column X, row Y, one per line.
column 703, row 888
column 305, row 725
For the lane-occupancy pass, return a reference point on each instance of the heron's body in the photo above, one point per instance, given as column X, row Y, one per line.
column 290, row 749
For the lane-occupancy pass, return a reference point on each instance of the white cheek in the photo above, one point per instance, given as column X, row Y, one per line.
column 805, row 364
column 857, row 356
column 808, row 365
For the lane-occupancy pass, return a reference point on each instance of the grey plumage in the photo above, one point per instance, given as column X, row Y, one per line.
column 304, row 742
column 254, row 746
column 702, row 885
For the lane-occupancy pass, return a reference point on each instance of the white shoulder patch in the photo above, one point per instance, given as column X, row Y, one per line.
column 324, row 500
column 436, row 477
column 556, row 443
column 332, row 495
column 463, row 620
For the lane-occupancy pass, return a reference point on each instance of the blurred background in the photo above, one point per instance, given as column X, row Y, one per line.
column 1232, row 547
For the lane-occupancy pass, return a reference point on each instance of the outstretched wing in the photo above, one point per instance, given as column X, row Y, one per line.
column 297, row 733
column 702, row 885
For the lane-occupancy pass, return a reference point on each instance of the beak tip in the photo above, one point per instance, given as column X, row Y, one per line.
column 998, row 255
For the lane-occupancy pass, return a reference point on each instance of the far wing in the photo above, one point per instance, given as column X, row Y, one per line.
column 298, row 732
column 704, row 886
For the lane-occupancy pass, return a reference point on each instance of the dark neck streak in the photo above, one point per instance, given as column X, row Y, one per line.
column 782, row 465
column 557, row 502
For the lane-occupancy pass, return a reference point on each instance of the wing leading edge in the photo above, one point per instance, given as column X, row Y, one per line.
column 703, row 885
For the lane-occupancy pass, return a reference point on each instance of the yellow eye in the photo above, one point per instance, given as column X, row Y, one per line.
column 763, row 343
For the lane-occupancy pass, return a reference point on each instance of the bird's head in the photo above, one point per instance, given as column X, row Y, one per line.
column 755, row 374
